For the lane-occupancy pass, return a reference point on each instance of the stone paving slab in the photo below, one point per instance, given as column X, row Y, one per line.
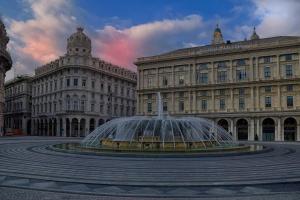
column 28, row 166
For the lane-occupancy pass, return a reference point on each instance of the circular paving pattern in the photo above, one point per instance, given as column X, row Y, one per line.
column 29, row 163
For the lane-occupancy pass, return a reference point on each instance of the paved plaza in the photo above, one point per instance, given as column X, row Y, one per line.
column 29, row 169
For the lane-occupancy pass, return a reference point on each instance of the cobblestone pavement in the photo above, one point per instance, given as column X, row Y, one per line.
column 30, row 170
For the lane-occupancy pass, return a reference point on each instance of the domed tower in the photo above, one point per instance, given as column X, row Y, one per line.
column 5, row 65
column 254, row 35
column 79, row 44
column 217, row 37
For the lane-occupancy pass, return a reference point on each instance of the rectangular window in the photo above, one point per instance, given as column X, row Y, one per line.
column 222, row 92
column 289, row 88
column 241, row 62
column 268, row 88
column 165, row 81
column 92, row 107
column 222, row 64
column 68, row 82
column 203, row 93
column 203, row 78
column 288, row 57
column 203, row 104
column 222, row 76
column 181, row 94
column 290, row 101
column 181, row 79
column 268, row 102
column 165, row 106
column 83, row 83
column 181, row 106
column 222, row 104
column 242, row 103
column 241, row 75
column 267, row 72
column 93, row 84
column 101, row 108
column 149, row 107
column 289, row 70
column 75, row 82
column 267, row 59
column 241, row 91
column 149, row 82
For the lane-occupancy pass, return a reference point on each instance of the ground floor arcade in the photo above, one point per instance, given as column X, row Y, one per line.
column 262, row 128
column 65, row 126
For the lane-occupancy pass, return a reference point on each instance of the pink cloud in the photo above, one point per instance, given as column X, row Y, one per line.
column 123, row 46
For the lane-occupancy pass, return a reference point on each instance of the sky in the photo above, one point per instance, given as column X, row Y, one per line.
column 123, row 30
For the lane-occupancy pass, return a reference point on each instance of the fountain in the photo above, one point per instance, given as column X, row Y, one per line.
column 159, row 133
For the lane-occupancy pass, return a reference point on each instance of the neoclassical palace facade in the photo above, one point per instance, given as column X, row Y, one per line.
column 77, row 92
column 251, row 87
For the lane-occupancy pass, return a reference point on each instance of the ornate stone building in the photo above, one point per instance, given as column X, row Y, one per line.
column 250, row 87
column 77, row 92
column 17, row 114
column 5, row 65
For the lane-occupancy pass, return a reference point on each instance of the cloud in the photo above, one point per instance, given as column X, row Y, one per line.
column 42, row 38
column 123, row 46
column 277, row 17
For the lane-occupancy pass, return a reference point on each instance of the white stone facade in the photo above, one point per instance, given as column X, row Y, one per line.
column 74, row 94
column 251, row 87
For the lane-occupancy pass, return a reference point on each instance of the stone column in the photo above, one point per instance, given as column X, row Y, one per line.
column 251, row 70
column 78, row 126
column 279, row 97
column 251, row 133
column 157, row 78
column 257, row 69
column 232, row 100
column 231, row 72
column 232, row 126
column 257, row 99
column 252, row 108
column 194, row 73
column 173, row 103
column 57, row 127
column 278, row 130
column 212, row 100
column 258, row 130
column 298, row 132
column 212, row 74
column 195, row 102
column 64, row 126
column 87, row 127
column 173, row 76
column 278, row 67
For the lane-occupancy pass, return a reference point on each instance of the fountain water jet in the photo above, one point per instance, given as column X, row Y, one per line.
column 159, row 133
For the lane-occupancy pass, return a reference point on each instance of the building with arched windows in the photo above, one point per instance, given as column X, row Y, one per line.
column 77, row 92
column 249, row 87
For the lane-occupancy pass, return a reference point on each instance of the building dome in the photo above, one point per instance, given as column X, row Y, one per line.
column 254, row 35
column 217, row 36
column 79, row 43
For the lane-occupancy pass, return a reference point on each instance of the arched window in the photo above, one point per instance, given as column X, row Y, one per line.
column 82, row 104
column 68, row 102
column 75, row 102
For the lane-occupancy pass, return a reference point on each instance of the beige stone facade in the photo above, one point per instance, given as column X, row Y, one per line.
column 249, row 87
column 5, row 65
